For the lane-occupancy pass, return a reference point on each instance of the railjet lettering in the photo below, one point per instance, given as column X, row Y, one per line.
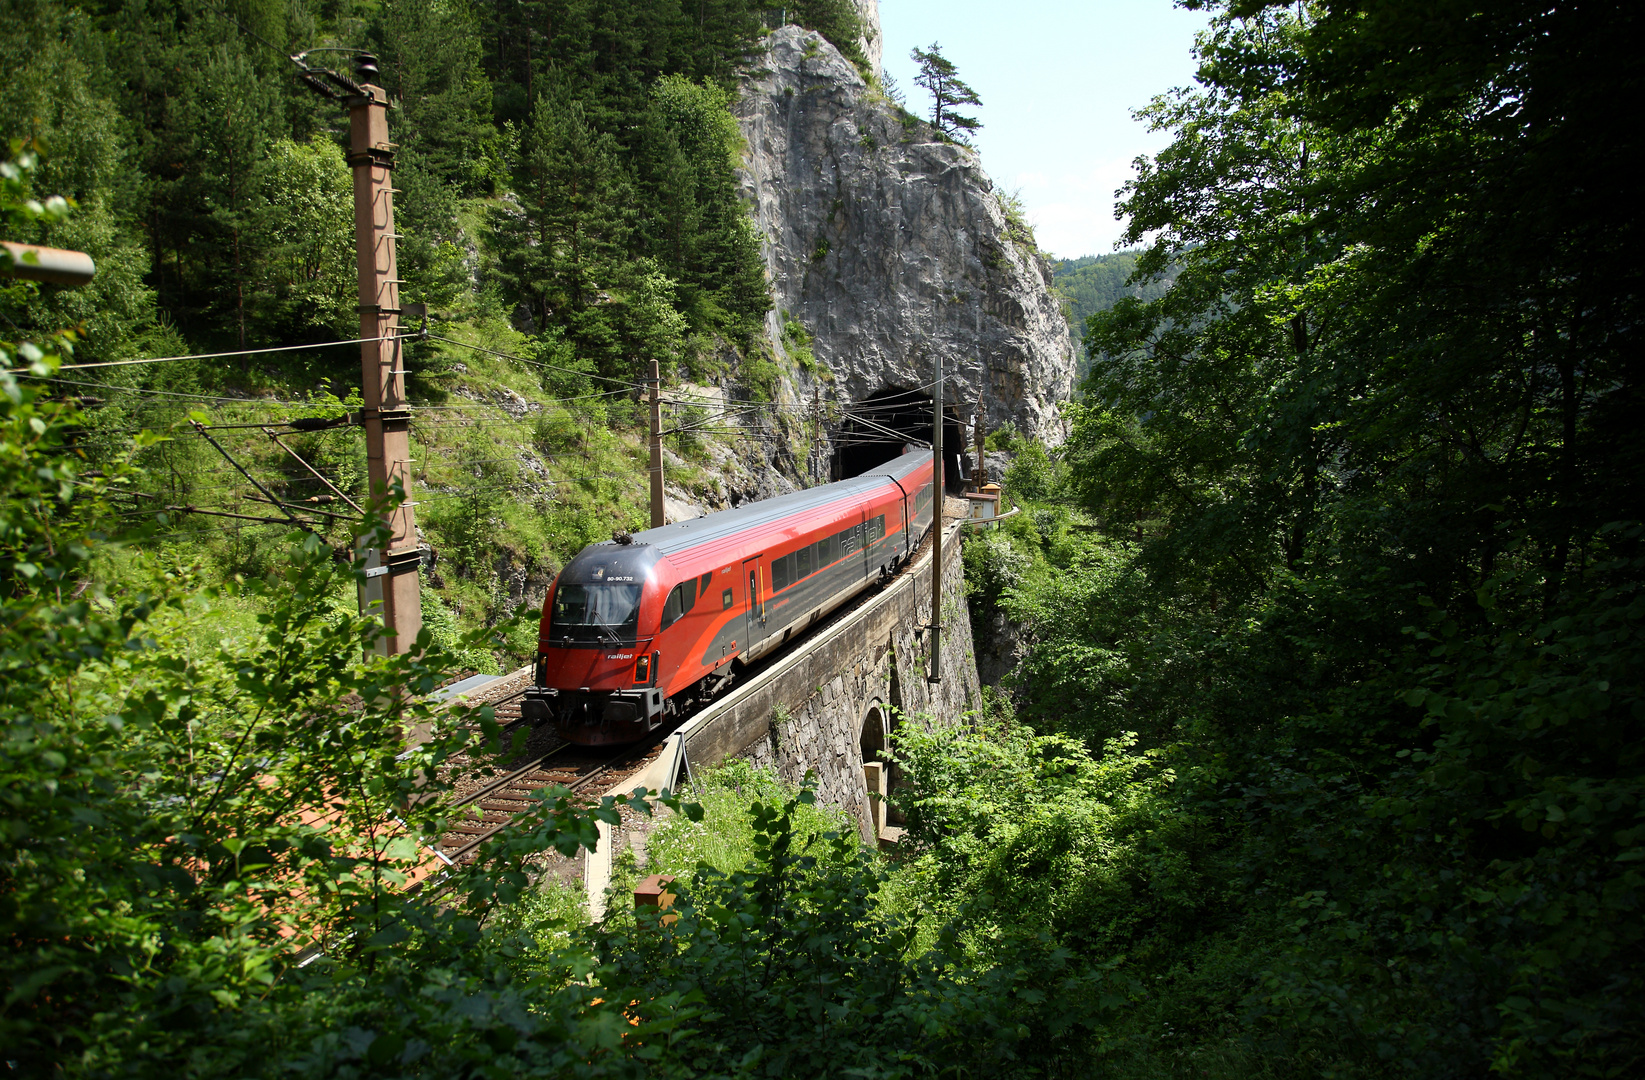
column 619, row 656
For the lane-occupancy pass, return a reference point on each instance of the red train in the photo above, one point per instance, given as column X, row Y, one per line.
column 634, row 633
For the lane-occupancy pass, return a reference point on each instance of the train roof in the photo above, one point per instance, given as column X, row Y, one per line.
column 899, row 467
column 669, row 539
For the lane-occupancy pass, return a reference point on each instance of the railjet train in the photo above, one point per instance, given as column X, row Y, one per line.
column 636, row 632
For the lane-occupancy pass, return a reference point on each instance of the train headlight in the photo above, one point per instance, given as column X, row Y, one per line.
column 642, row 669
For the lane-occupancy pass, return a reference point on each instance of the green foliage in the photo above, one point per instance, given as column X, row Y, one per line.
column 836, row 20
column 1085, row 611
column 797, row 341
column 791, row 969
column 565, row 193
column 759, row 377
column 1016, row 222
column 1032, row 474
column 1359, row 569
column 447, row 635
column 430, row 55
column 1030, row 833
column 724, row 838
column 310, row 238
column 209, row 195
column 180, row 824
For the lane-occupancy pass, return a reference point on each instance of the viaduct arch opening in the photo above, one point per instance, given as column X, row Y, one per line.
column 877, row 428
column 880, row 775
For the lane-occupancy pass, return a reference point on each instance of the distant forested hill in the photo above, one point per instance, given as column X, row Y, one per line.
column 1096, row 283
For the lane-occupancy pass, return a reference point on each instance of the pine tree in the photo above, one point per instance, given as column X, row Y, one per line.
column 939, row 75
column 562, row 251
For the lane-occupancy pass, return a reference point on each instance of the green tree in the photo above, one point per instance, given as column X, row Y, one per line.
column 430, row 53
column 721, row 270
column 940, row 77
column 1094, row 283
column 307, row 234
column 54, row 96
column 232, row 118
column 800, row 972
column 564, row 246
column 1189, row 382
column 836, row 20
column 1359, row 442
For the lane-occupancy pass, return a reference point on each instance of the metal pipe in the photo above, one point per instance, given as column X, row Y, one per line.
column 315, row 472
column 249, row 478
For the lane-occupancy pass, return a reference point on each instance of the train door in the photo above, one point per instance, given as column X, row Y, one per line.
column 756, row 602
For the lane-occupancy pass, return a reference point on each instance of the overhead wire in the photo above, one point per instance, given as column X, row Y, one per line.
column 172, row 393
column 881, row 428
column 801, row 406
column 220, row 400
column 221, row 355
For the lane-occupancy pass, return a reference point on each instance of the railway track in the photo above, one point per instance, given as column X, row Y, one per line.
column 500, row 801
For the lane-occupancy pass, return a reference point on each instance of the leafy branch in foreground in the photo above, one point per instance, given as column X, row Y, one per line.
column 179, row 826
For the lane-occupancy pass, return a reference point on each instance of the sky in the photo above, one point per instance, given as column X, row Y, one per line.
column 1059, row 80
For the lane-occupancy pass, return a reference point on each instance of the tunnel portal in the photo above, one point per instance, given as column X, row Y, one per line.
column 865, row 436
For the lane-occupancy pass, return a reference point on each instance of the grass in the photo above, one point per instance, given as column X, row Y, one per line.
column 724, row 838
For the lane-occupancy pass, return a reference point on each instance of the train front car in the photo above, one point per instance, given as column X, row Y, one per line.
column 596, row 674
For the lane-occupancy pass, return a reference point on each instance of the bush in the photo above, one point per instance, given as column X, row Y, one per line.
column 789, row 968
column 1031, row 833
column 1032, row 475
column 724, row 838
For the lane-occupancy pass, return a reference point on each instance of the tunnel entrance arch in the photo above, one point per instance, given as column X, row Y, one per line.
column 880, row 427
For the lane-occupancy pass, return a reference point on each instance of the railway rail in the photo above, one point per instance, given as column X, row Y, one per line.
column 505, row 797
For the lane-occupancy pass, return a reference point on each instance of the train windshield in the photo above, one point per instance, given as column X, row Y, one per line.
column 595, row 613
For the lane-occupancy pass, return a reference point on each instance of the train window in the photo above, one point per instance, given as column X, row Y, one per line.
column 875, row 528
column 782, row 573
column 680, row 601
column 594, row 612
column 828, row 549
column 802, row 568
column 725, row 600
column 848, row 540
column 704, row 582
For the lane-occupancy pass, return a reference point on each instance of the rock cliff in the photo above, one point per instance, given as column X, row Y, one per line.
column 891, row 247
column 873, row 45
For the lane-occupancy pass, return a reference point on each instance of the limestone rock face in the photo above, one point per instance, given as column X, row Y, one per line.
column 891, row 247
column 873, row 47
